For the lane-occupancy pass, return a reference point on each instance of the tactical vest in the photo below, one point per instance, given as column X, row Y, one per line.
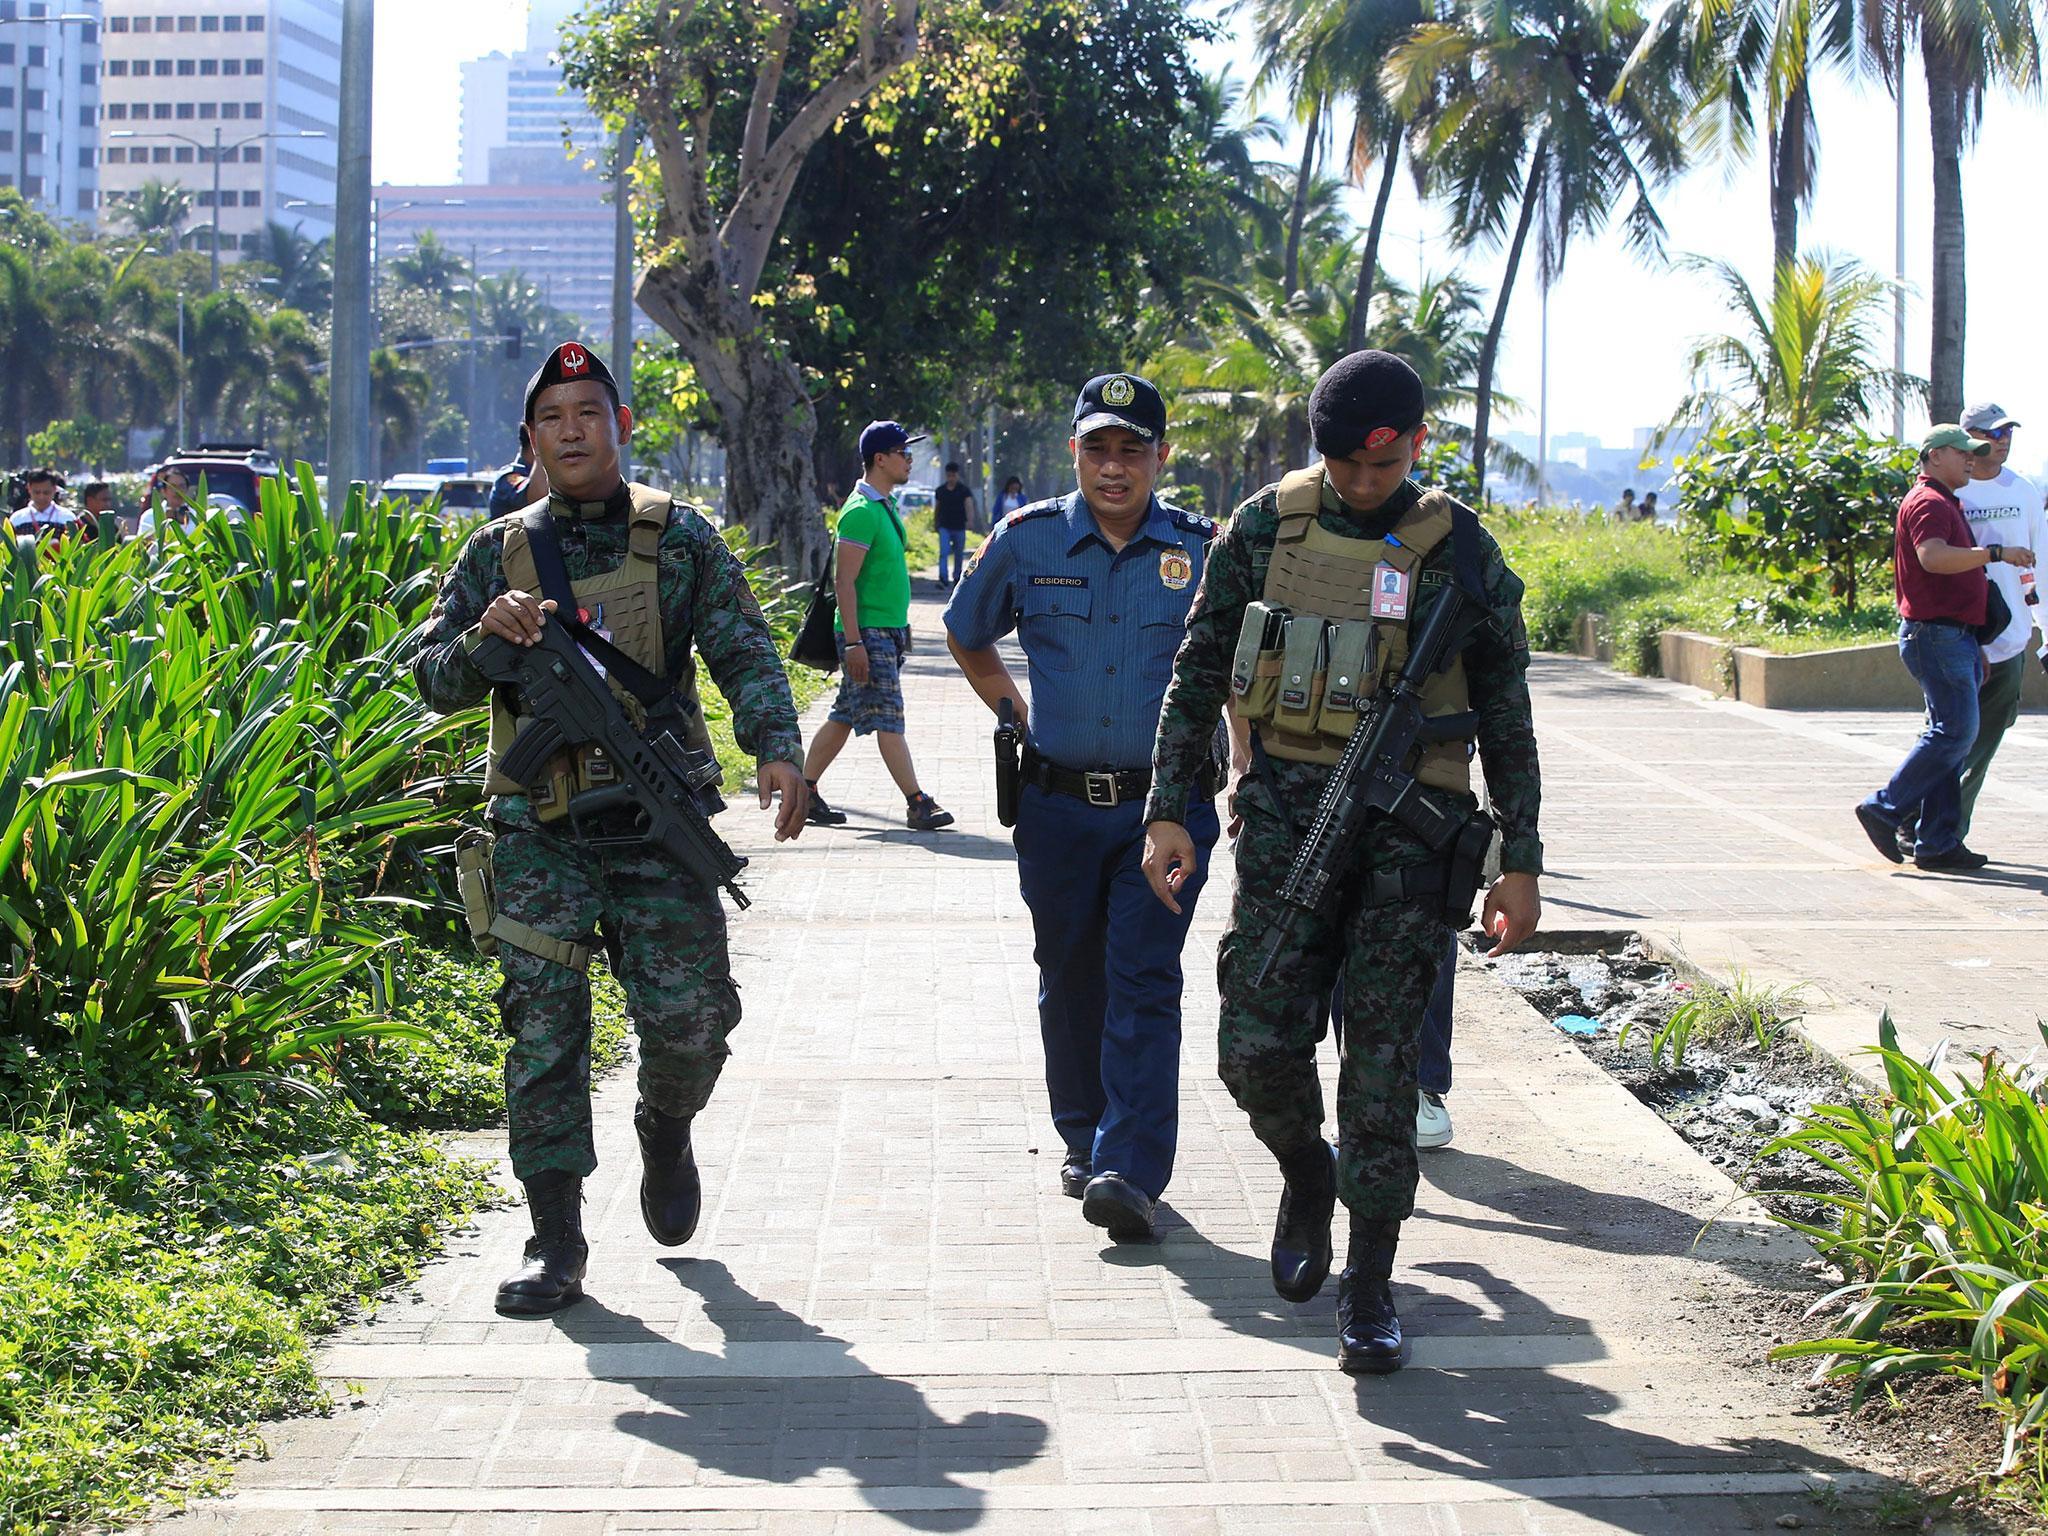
column 1311, row 655
column 626, row 604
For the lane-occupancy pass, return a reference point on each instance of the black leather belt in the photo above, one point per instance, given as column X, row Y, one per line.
column 1104, row 787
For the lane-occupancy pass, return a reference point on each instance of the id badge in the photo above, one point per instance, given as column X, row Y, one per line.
column 1389, row 591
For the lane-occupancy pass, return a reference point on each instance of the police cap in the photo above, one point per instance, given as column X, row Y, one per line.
column 1120, row 400
column 570, row 363
column 1365, row 400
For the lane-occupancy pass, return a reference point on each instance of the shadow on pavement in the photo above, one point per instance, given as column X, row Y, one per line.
column 947, row 842
column 879, row 1431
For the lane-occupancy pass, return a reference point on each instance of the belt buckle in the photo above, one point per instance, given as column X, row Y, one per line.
column 1100, row 788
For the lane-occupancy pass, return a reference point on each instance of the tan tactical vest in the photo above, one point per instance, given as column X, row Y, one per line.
column 626, row 604
column 1312, row 656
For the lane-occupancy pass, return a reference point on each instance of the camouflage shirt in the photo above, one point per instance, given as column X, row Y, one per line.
column 705, row 602
column 1496, row 668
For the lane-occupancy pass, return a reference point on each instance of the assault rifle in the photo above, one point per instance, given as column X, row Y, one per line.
column 671, row 789
column 1373, row 777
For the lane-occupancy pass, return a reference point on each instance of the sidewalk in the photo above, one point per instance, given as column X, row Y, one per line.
column 891, row 1319
column 1725, row 831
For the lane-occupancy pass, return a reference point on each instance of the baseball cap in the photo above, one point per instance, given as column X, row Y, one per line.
column 570, row 363
column 1120, row 400
column 1949, row 435
column 886, row 437
column 1986, row 418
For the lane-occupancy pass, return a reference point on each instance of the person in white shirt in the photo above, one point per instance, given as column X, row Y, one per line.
column 2004, row 508
column 43, row 517
column 169, row 491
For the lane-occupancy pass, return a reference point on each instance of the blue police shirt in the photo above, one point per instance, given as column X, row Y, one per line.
column 1099, row 625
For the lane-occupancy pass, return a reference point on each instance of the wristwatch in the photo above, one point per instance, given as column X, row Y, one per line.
column 1996, row 553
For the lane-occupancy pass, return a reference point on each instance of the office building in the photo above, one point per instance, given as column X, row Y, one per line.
column 560, row 238
column 49, row 104
column 256, row 78
column 519, row 120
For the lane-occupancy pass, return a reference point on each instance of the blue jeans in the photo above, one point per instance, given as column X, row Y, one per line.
column 1434, row 1073
column 953, row 543
column 1944, row 661
column 1109, row 977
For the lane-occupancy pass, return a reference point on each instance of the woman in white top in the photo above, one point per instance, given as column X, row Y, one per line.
column 1011, row 499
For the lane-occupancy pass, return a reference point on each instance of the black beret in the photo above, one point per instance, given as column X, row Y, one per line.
column 1365, row 400
column 570, row 363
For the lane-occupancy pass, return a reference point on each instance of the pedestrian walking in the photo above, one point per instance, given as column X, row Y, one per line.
column 1943, row 596
column 657, row 580
column 95, row 500
column 44, row 517
column 1303, row 620
column 1096, row 584
column 1009, row 501
column 871, row 578
column 952, row 506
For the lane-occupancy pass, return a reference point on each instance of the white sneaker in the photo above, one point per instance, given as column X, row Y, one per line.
column 1432, row 1121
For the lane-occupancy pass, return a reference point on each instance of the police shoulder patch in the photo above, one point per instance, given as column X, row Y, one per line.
column 1193, row 522
column 1037, row 509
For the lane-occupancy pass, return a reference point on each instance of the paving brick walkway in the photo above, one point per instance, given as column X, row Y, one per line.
column 891, row 1319
column 1726, row 831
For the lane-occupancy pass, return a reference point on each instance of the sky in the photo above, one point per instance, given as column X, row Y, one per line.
column 1619, row 328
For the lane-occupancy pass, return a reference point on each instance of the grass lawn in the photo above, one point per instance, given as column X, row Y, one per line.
column 1637, row 575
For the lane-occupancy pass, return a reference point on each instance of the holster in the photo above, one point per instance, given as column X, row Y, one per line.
column 488, row 927
column 1009, row 766
column 1466, row 872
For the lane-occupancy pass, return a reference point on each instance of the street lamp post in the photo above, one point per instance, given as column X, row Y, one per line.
column 218, row 149
column 69, row 19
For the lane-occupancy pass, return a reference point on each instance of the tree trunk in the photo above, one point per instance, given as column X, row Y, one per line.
column 836, row 464
column 766, row 421
column 1489, row 350
column 1297, row 216
column 1945, row 108
column 1368, row 264
column 1788, row 178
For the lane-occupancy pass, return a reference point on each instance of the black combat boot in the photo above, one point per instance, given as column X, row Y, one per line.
column 671, row 1195
column 1369, row 1337
column 556, row 1254
column 1301, row 1235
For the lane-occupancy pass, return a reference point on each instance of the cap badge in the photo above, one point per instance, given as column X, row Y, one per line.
column 1176, row 570
column 1379, row 437
column 1118, row 392
column 575, row 361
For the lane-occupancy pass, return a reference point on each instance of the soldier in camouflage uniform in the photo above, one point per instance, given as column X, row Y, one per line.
column 653, row 577
column 1385, row 926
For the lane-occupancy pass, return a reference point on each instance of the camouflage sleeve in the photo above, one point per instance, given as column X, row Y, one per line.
column 739, row 647
column 440, row 664
column 1201, row 673
column 1497, row 676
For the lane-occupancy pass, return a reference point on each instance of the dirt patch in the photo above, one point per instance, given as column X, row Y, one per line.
column 1730, row 1095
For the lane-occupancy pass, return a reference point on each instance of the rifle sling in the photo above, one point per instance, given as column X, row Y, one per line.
column 546, row 550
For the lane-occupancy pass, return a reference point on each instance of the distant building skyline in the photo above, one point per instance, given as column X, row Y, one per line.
column 49, row 105
column 517, row 115
column 503, row 226
column 252, row 76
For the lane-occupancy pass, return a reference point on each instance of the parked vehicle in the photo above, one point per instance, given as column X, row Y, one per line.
column 234, row 470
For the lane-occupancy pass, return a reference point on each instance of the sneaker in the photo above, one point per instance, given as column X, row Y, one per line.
column 819, row 814
column 923, row 814
column 1432, row 1121
column 1883, row 834
column 1956, row 858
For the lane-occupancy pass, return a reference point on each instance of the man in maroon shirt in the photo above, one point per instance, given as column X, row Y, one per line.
column 1939, row 575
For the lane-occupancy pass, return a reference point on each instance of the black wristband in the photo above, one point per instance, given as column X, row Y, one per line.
column 1995, row 552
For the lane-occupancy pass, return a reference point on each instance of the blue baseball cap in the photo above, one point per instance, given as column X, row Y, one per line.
column 1120, row 400
column 886, row 437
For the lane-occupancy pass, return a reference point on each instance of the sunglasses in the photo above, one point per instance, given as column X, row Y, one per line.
column 1995, row 434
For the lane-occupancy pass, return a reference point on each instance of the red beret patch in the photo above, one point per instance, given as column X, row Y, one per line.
column 1379, row 437
column 576, row 362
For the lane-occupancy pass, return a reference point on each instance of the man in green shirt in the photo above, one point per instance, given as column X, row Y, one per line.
column 871, row 575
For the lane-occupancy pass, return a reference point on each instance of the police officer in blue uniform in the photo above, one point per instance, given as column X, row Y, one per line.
column 1097, row 586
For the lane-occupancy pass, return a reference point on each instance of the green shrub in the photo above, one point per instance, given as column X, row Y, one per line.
column 1811, row 513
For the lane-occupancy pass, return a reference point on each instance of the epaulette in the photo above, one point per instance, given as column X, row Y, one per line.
column 1192, row 522
column 1044, row 508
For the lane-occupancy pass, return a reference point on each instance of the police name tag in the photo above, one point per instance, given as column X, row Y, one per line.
column 1389, row 591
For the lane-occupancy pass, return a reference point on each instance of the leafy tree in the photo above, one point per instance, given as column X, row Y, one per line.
column 430, row 267
column 301, row 269
column 1806, row 358
column 399, row 397
column 157, row 208
column 76, row 445
column 1521, row 110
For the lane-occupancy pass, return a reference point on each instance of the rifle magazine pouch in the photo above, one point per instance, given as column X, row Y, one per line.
column 1255, row 669
column 1353, row 676
column 473, row 885
column 1302, row 675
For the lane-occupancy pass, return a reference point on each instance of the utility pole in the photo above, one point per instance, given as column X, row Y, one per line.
column 348, row 422
column 622, row 259
column 1899, row 224
column 1543, row 398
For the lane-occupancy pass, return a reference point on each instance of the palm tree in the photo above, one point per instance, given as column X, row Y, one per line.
column 1807, row 358
column 1745, row 61
column 302, row 275
column 399, row 394
column 430, row 267
column 157, row 208
column 1241, row 216
column 1967, row 48
column 1521, row 109
column 225, row 365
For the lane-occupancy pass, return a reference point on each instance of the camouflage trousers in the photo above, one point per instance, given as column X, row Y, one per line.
column 666, row 934
column 1267, row 1036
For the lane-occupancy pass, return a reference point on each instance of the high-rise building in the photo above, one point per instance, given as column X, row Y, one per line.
column 49, row 104
column 242, row 95
column 518, row 118
column 560, row 238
